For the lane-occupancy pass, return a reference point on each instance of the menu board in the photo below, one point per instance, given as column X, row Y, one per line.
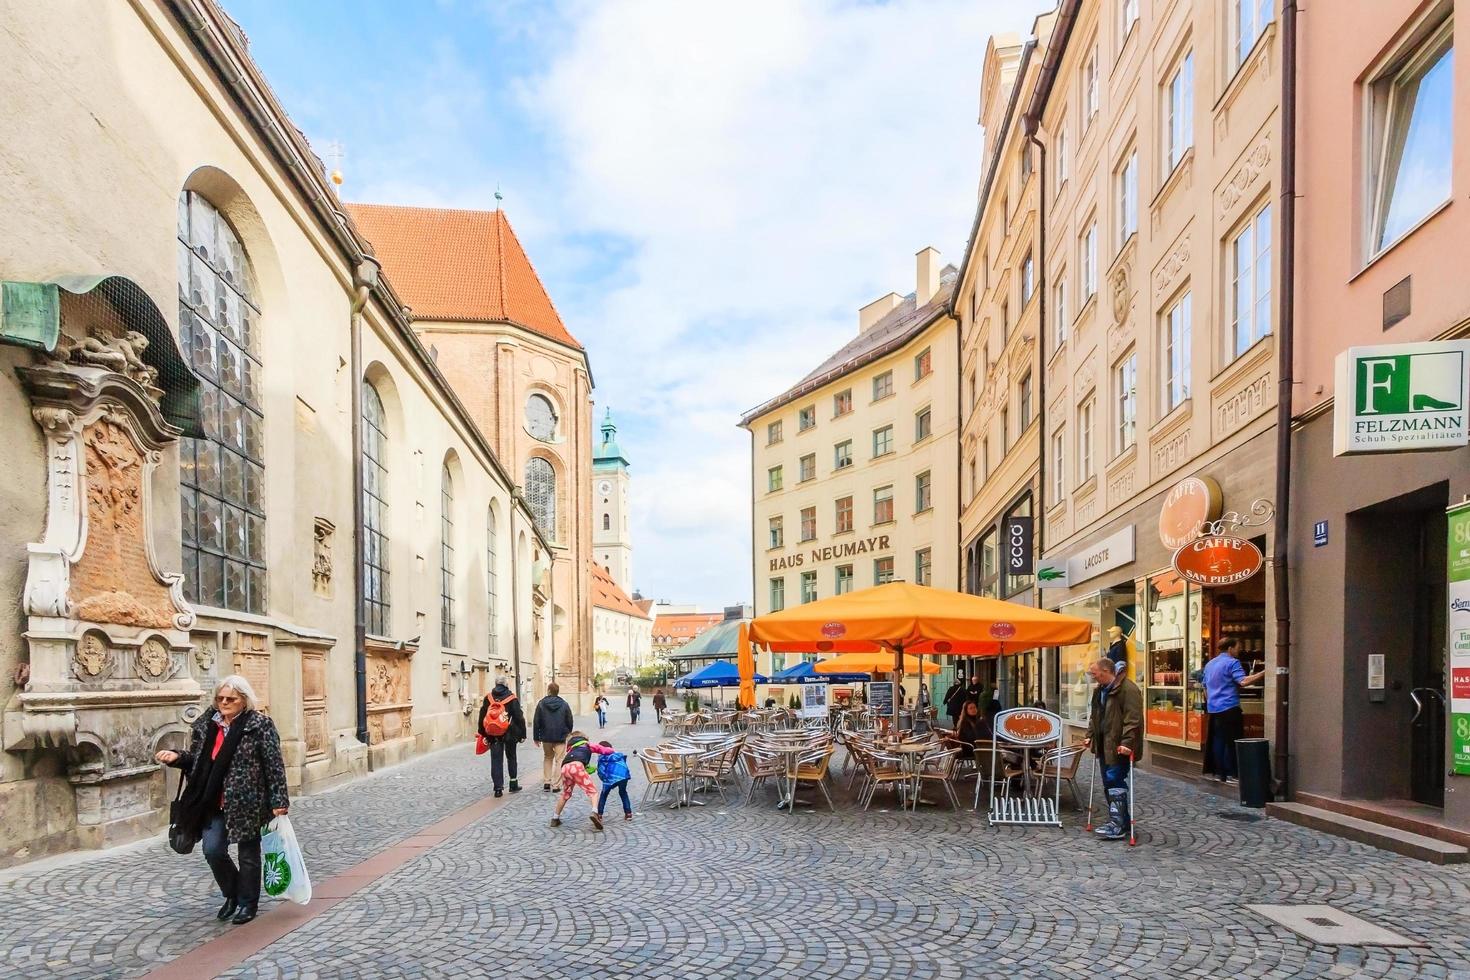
column 880, row 697
column 814, row 701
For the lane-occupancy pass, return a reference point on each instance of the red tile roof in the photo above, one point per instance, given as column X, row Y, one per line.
column 449, row 264
column 684, row 626
column 607, row 595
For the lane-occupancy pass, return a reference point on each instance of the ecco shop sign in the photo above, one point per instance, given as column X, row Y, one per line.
column 1402, row 398
column 1018, row 545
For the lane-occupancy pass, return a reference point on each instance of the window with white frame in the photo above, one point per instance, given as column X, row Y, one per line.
column 446, row 559
column 1028, row 278
column 882, row 570
column 883, row 441
column 1179, row 112
column 1127, row 17
column 843, row 510
column 923, row 492
column 806, row 467
column 842, row 455
column 492, row 574
column 1250, row 282
column 778, row 594
column 844, row 579
column 1089, row 88
column 923, row 364
column 1125, row 397
column 375, row 594
column 1176, row 353
column 924, row 567
column 1084, row 440
column 883, row 385
column 1059, row 311
column 773, row 479
column 1059, row 151
column 806, row 418
column 1058, row 465
column 883, row 505
column 1248, row 21
column 923, row 423
column 1412, row 130
column 777, row 532
column 842, row 403
column 773, row 433
column 541, row 493
column 808, row 523
column 808, row 586
column 1024, row 397
column 1088, row 261
column 1127, row 189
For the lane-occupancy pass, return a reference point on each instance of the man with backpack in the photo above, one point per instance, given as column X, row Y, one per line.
column 503, row 724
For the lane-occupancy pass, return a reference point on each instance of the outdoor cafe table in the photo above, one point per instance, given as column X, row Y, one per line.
column 912, row 754
column 682, row 754
column 791, row 744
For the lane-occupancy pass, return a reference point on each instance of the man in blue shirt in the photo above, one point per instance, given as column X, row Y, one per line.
column 1223, row 679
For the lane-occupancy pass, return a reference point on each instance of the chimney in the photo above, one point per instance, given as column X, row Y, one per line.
column 877, row 310
column 928, row 276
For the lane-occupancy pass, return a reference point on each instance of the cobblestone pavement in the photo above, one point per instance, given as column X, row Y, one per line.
column 747, row 891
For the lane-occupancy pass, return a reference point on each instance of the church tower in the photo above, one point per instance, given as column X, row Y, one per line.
column 612, row 540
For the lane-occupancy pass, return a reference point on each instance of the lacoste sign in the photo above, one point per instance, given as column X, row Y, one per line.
column 1402, row 398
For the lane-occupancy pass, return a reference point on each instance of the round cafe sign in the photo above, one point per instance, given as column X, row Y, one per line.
column 834, row 631
column 1191, row 501
column 1028, row 726
column 1218, row 559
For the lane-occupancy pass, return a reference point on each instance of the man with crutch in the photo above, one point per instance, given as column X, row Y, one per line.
column 1115, row 736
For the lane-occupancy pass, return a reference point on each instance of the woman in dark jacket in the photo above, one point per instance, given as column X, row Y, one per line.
column 973, row 727
column 237, row 781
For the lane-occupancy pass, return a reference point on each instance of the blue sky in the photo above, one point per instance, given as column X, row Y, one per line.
column 709, row 191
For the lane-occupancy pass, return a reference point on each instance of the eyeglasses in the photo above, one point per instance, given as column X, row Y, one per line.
column 221, row 699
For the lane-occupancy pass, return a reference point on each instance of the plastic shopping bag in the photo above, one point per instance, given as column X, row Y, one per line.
column 481, row 745
column 283, row 872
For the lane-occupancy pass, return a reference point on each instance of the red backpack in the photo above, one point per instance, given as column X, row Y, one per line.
column 497, row 719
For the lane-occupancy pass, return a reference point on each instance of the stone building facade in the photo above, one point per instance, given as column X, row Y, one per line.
column 199, row 352
column 612, row 518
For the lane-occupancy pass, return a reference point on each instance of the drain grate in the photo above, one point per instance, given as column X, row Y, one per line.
column 1327, row 926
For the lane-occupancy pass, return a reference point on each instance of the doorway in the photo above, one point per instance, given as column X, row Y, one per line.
column 1395, row 609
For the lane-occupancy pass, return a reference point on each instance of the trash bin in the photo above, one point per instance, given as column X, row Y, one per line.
column 1253, row 759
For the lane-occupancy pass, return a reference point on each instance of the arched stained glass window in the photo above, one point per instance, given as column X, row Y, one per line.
column 375, row 602
column 446, row 559
column 222, row 476
column 541, row 494
column 492, row 583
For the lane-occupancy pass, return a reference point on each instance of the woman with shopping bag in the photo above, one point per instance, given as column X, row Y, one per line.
column 236, row 783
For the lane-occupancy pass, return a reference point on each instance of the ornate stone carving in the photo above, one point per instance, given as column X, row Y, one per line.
column 1249, row 402
column 253, row 662
column 1245, row 176
column 92, row 656
column 153, row 658
column 321, row 560
column 1170, row 268
column 204, row 657
column 390, row 693
column 121, row 354
column 1122, row 294
column 130, row 746
column 1170, row 454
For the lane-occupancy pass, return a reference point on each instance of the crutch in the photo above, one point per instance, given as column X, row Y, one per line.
column 1132, row 826
column 1091, row 785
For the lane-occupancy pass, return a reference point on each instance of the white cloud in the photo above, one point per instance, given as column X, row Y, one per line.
column 775, row 165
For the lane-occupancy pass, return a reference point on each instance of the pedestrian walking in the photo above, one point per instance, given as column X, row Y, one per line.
column 237, row 782
column 635, row 703
column 1223, row 678
column 660, row 702
column 954, row 701
column 612, row 769
column 503, row 724
column 600, row 706
column 576, row 775
column 550, row 727
column 1115, row 735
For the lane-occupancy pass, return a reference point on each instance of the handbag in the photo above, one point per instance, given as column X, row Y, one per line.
column 179, row 838
column 481, row 744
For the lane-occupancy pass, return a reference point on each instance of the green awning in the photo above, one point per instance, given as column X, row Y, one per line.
column 31, row 313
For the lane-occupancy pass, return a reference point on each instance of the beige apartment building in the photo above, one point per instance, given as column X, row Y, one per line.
column 199, row 357
column 997, row 304
column 1154, row 309
column 853, row 468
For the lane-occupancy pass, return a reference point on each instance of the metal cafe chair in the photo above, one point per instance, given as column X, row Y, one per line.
column 1063, row 764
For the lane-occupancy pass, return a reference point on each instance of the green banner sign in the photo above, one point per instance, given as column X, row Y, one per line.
column 1457, row 571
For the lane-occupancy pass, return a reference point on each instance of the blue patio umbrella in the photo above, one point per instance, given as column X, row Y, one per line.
column 806, row 673
column 721, row 673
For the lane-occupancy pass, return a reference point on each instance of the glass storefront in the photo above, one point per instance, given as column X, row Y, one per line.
column 1106, row 609
column 1173, row 700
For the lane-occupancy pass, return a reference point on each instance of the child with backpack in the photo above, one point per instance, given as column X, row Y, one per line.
column 612, row 769
column 576, row 773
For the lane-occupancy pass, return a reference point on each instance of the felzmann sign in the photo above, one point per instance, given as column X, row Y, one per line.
column 1402, row 398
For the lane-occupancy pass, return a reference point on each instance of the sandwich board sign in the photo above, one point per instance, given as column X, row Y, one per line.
column 1398, row 398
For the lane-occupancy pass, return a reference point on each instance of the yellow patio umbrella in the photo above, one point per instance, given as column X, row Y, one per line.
column 870, row 663
column 903, row 618
column 745, row 662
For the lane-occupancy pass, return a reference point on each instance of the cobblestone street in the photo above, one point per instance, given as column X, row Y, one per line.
column 734, row 890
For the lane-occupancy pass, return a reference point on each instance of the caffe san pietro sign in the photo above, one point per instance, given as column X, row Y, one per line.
column 847, row 549
column 1398, row 398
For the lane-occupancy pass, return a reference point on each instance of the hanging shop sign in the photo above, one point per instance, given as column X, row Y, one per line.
column 1018, row 545
column 1193, row 501
column 1396, row 398
column 1457, row 572
column 1218, row 559
column 1028, row 726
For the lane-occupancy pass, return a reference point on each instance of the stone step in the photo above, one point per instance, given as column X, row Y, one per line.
column 1378, row 835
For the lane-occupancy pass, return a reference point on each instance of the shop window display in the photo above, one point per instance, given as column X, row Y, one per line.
column 1108, row 610
column 1174, row 699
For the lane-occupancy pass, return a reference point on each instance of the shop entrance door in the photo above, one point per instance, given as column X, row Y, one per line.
column 1427, row 726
